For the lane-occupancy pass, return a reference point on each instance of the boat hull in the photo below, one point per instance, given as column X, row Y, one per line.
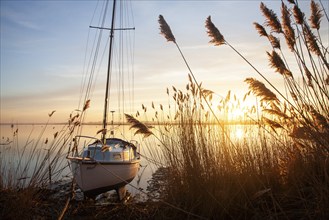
column 94, row 178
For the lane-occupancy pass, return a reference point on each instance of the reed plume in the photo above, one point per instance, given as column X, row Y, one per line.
column 207, row 93
column 102, row 131
column 87, row 105
column 277, row 63
column 308, row 75
column 298, row 15
column 320, row 121
column 72, row 119
column 275, row 42
column 216, row 37
column 278, row 113
column 261, row 30
column 286, row 161
column 273, row 124
column 165, row 29
column 316, row 15
column 271, row 19
column 260, row 90
column 214, row 34
column 51, row 114
column 289, row 32
column 311, row 41
column 140, row 127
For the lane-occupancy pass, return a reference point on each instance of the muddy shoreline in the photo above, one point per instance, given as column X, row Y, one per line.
column 64, row 200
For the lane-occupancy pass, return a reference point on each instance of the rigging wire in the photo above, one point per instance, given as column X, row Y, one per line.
column 86, row 66
column 124, row 75
column 87, row 82
column 122, row 59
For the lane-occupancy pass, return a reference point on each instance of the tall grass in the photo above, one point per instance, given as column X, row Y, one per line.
column 29, row 168
column 36, row 161
column 282, row 172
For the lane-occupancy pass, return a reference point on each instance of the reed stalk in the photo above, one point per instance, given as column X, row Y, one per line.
column 280, row 168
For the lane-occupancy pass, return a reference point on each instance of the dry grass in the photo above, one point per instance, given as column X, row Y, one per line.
column 282, row 171
column 279, row 170
column 29, row 167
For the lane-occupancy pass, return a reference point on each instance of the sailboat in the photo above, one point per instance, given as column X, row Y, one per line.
column 105, row 163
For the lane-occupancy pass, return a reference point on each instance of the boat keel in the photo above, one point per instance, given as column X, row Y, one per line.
column 121, row 192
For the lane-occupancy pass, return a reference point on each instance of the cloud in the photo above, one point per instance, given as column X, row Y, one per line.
column 17, row 15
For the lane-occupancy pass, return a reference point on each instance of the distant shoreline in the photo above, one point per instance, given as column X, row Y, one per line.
column 150, row 123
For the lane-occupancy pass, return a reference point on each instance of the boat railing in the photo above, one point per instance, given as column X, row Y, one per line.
column 137, row 151
column 130, row 154
column 76, row 144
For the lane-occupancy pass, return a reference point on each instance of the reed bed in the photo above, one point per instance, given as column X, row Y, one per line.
column 279, row 169
column 279, row 172
column 36, row 161
column 31, row 168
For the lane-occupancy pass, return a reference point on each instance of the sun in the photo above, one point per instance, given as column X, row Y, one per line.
column 239, row 133
column 236, row 114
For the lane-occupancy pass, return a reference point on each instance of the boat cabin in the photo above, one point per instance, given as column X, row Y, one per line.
column 115, row 150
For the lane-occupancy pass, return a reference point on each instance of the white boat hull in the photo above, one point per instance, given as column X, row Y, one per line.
column 94, row 178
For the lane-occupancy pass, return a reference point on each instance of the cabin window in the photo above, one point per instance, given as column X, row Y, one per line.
column 117, row 156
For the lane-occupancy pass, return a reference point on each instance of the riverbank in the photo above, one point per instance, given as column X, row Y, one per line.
column 44, row 204
column 64, row 200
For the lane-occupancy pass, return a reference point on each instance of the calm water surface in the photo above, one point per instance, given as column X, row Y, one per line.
column 18, row 141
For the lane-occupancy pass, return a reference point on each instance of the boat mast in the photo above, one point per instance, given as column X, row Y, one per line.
column 108, row 74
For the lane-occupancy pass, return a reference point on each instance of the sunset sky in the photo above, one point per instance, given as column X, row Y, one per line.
column 43, row 48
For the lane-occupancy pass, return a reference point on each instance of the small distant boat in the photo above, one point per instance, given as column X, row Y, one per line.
column 107, row 163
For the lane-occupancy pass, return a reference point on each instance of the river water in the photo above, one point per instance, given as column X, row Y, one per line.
column 22, row 148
